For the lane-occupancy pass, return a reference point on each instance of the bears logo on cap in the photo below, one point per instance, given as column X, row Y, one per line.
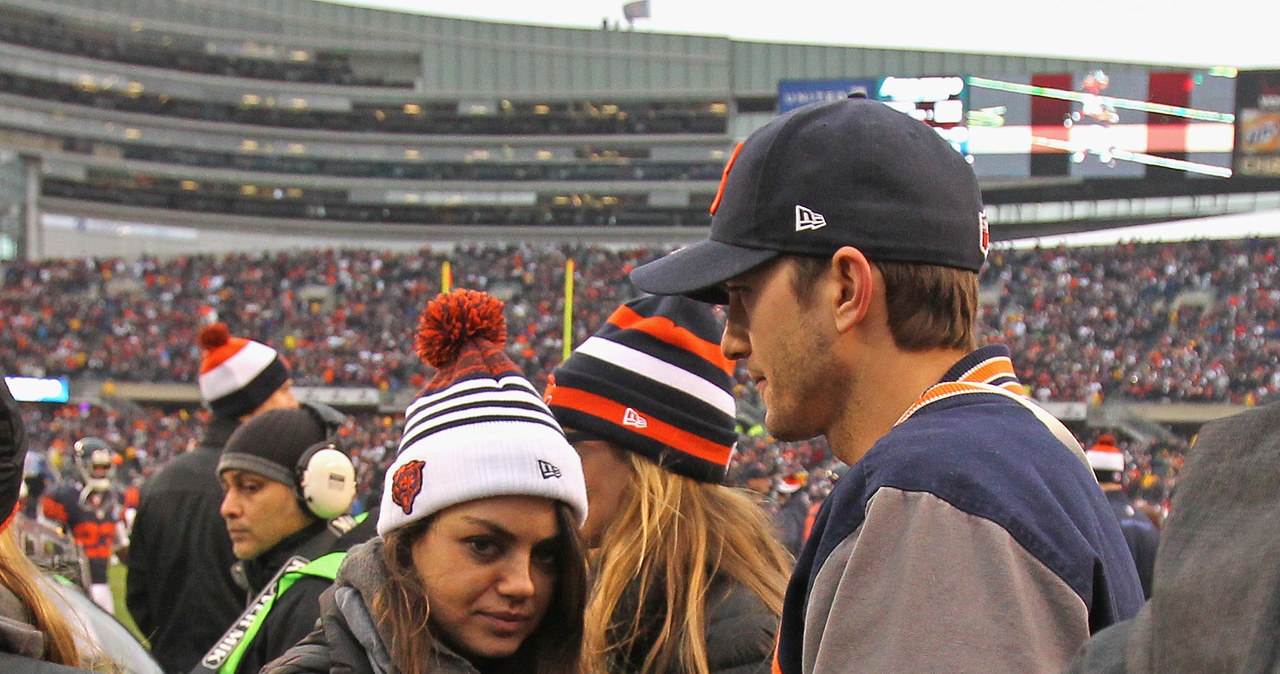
column 406, row 485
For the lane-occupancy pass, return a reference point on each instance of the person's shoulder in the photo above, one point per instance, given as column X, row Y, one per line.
column 1264, row 419
column 185, row 472
column 727, row 599
column 741, row 630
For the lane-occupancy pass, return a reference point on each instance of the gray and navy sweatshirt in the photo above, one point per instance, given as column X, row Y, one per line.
column 971, row 537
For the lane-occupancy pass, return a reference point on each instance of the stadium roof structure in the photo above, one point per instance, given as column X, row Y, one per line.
column 305, row 117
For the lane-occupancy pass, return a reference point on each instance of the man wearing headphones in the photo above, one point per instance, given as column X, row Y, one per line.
column 287, row 488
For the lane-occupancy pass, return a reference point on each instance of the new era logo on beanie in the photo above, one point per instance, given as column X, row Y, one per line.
column 237, row 375
column 653, row 381
column 852, row 172
column 478, row 428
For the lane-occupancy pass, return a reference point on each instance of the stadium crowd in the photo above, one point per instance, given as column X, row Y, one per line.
column 1171, row 327
column 1192, row 321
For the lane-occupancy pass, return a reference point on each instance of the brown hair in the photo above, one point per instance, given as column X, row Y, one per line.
column 657, row 562
column 21, row 577
column 555, row 647
column 929, row 306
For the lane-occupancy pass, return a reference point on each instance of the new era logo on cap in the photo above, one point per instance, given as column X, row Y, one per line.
column 632, row 418
column 808, row 219
column 548, row 470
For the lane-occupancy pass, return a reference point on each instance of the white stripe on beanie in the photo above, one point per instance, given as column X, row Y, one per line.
column 235, row 372
column 480, row 460
column 659, row 370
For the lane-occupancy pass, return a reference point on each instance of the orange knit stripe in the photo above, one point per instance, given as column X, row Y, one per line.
column 991, row 369
column 612, row 412
column 665, row 329
column 220, row 355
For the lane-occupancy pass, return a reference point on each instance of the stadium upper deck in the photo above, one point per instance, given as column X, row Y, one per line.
column 232, row 113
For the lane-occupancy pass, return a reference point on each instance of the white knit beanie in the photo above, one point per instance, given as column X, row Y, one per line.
column 478, row 428
column 237, row 375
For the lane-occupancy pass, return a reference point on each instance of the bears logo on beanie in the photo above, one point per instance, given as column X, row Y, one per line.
column 478, row 428
column 653, row 381
column 237, row 375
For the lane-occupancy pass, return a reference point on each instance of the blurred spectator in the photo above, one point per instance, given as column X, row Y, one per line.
column 180, row 588
column 1140, row 532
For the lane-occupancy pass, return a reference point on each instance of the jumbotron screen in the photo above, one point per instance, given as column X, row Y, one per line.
column 1087, row 124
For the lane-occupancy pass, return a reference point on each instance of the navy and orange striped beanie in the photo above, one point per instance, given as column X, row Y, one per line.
column 653, row 381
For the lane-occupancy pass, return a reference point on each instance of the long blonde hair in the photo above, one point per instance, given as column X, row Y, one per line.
column 22, row 578
column 656, row 563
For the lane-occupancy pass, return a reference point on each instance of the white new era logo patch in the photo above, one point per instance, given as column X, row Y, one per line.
column 807, row 219
column 632, row 418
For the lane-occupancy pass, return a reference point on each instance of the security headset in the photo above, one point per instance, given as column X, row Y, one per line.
column 325, row 475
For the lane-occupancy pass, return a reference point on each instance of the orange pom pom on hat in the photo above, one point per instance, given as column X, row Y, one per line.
column 478, row 428
column 237, row 375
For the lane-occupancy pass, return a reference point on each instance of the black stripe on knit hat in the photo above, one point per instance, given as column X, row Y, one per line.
column 653, row 381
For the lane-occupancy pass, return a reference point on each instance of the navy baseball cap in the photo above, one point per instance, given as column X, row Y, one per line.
column 852, row 172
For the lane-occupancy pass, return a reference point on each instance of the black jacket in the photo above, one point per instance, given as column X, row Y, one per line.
column 1141, row 534
column 294, row 613
column 741, row 633
column 180, row 591
column 347, row 639
column 13, row 450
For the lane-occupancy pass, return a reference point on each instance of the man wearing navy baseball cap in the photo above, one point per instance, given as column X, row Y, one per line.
column 970, row 533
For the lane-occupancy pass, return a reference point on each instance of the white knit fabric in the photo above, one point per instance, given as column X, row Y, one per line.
column 234, row 373
column 467, row 454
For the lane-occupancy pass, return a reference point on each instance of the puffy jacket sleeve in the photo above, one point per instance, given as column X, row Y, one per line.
column 741, row 631
column 311, row 654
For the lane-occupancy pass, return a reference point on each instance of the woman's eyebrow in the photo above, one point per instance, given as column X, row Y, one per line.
column 499, row 530
column 493, row 527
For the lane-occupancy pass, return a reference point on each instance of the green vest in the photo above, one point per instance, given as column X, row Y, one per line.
column 225, row 655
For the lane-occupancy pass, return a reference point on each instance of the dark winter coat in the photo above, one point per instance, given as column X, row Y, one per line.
column 180, row 591
column 346, row 639
column 741, row 633
column 293, row 613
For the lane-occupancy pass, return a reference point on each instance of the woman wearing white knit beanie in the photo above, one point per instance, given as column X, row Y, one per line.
column 478, row 566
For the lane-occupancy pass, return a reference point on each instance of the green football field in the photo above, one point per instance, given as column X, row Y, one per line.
column 115, row 576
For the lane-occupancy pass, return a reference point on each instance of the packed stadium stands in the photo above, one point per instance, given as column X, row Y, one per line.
column 1194, row 321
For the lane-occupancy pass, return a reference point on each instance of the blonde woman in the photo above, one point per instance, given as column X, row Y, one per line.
column 687, row 574
column 478, row 567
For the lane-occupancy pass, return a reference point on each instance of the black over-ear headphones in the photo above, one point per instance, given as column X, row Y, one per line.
column 326, row 480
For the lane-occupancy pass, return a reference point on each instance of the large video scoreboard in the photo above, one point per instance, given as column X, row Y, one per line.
column 1086, row 124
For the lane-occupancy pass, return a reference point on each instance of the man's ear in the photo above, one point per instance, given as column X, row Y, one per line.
column 852, row 273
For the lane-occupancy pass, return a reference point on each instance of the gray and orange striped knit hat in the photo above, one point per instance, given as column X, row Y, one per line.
column 653, row 381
